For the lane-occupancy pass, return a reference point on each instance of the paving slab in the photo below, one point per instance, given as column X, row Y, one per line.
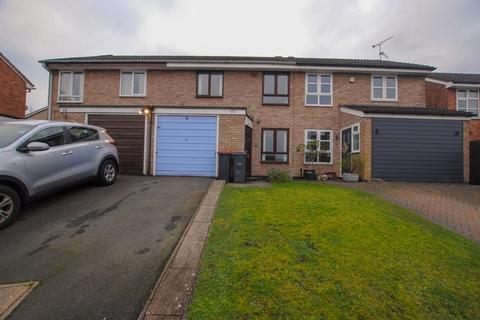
column 454, row 206
column 188, row 255
column 174, row 288
column 198, row 231
column 11, row 295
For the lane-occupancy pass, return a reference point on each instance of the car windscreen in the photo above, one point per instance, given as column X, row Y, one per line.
column 9, row 132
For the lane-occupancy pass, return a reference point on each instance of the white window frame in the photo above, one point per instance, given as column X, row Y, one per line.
column 59, row 96
column 144, row 94
column 467, row 93
column 357, row 125
column 319, row 132
column 319, row 86
column 384, row 87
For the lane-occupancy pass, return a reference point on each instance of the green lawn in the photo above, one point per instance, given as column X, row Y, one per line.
column 315, row 251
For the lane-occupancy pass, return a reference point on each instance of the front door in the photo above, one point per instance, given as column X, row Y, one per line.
column 346, row 148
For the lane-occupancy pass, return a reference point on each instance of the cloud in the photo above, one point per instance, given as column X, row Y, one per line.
column 444, row 34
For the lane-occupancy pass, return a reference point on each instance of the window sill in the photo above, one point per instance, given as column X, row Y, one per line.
column 385, row 100
column 133, row 96
column 319, row 105
column 272, row 162
column 275, row 105
column 65, row 101
column 319, row 163
column 355, row 152
column 209, row 97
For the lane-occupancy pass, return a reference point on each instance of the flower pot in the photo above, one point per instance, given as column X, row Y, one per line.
column 309, row 175
column 351, row 177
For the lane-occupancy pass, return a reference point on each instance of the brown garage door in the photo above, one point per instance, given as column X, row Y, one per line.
column 128, row 132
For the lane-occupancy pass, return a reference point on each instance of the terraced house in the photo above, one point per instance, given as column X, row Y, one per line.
column 196, row 106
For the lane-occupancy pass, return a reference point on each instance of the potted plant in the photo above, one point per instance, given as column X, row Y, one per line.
column 352, row 166
column 310, row 153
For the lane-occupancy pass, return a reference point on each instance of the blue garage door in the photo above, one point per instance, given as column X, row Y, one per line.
column 186, row 146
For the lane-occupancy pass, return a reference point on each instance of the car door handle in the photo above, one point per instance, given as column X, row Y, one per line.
column 98, row 147
column 67, row 153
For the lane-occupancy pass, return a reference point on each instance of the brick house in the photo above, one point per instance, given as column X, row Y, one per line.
column 456, row 91
column 13, row 90
column 198, row 106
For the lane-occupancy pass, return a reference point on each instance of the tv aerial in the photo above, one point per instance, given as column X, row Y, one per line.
column 379, row 45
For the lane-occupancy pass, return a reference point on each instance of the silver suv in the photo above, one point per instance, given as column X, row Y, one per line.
column 39, row 157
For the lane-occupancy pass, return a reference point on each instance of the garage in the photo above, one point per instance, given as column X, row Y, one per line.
column 129, row 134
column 186, row 145
column 417, row 150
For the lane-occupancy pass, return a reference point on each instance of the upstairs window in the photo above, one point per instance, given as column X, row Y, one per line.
column 275, row 88
column 275, row 145
column 384, row 88
column 133, row 83
column 467, row 100
column 209, row 84
column 71, row 86
column 318, row 148
column 318, row 90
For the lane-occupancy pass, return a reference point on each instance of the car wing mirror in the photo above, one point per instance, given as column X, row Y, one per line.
column 37, row 146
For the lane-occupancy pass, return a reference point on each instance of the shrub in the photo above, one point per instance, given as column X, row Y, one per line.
column 278, row 175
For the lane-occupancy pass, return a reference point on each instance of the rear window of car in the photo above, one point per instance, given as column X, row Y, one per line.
column 10, row 132
column 78, row 134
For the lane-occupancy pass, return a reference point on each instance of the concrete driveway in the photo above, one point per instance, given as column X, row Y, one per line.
column 97, row 252
column 455, row 206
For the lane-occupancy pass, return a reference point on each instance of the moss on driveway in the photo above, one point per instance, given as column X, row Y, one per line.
column 316, row 251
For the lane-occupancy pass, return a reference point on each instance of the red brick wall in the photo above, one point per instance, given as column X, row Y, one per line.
column 13, row 92
column 244, row 89
column 439, row 96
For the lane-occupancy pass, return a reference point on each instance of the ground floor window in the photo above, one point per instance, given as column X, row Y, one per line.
column 318, row 146
column 274, row 145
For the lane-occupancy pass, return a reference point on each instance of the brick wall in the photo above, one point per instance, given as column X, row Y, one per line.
column 439, row 96
column 244, row 89
column 42, row 115
column 13, row 92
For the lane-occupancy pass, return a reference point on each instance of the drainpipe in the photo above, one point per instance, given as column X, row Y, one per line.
column 49, row 91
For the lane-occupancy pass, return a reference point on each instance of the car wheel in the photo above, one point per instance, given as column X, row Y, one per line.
column 9, row 206
column 107, row 174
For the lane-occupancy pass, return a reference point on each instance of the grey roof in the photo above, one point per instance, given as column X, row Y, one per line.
column 466, row 78
column 357, row 63
column 407, row 110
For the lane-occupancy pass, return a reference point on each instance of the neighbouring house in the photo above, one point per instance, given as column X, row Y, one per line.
column 13, row 90
column 456, row 91
column 171, row 115
column 39, row 114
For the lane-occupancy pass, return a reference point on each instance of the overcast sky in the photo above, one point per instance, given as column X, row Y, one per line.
column 445, row 34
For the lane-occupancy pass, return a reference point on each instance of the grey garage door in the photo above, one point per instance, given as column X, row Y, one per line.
column 417, row 150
